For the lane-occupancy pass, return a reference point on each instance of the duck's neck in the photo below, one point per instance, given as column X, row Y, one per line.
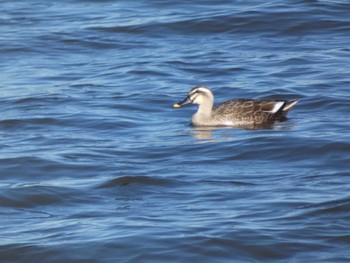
column 203, row 113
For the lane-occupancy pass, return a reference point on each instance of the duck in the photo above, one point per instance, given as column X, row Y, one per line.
column 236, row 112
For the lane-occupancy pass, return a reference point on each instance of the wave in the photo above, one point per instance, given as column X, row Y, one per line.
column 300, row 19
column 29, row 196
column 132, row 180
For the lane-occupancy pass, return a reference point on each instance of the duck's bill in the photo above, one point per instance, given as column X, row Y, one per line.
column 182, row 103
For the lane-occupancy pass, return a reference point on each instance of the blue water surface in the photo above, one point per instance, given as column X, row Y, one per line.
column 96, row 166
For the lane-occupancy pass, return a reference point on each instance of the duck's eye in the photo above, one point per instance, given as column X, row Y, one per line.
column 193, row 96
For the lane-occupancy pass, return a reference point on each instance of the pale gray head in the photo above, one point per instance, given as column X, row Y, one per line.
column 197, row 95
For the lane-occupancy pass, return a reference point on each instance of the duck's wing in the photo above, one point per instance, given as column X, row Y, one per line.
column 249, row 106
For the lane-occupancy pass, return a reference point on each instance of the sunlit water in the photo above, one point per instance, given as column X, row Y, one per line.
column 96, row 166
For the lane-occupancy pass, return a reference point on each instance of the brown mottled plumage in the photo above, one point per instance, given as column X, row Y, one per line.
column 239, row 112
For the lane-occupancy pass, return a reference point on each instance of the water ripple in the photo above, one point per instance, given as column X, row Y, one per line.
column 94, row 158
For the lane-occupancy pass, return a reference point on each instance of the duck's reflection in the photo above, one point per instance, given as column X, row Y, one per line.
column 205, row 134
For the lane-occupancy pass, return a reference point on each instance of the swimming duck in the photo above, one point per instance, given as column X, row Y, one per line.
column 236, row 113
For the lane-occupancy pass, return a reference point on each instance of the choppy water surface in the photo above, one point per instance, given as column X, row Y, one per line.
column 96, row 166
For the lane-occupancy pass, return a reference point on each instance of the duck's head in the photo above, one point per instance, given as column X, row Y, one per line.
column 197, row 95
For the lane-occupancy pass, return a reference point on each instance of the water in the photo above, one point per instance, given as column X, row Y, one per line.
column 96, row 166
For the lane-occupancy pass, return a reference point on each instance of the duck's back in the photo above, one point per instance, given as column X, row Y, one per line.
column 248, row 111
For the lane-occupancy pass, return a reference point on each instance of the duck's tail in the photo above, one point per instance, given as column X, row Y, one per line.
column 288, row 106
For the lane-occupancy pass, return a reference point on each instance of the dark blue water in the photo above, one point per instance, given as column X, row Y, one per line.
column 95, row 165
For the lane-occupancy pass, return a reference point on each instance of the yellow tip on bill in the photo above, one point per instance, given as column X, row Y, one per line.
column 176, row 105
